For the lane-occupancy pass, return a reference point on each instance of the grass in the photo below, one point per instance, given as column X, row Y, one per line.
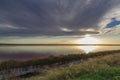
column 112, row 73
column 53, row 60
column 99, row 68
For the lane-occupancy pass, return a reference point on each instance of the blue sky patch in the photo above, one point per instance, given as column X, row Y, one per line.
column 113, row 23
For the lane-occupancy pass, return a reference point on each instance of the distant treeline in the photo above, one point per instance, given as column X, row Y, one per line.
column 10, row 64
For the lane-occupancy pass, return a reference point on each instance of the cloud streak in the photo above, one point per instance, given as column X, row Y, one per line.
column 53, row 17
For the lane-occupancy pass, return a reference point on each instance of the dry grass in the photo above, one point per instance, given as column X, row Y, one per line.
column 79, row 68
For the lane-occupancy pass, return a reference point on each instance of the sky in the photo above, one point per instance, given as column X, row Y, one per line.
column 51, row 20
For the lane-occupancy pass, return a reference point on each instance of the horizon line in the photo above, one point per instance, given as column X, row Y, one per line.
column 8, row 44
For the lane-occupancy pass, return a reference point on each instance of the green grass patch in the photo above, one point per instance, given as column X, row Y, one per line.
column 112, row 73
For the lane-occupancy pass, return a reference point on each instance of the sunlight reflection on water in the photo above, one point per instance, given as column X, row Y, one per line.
column 9, row 52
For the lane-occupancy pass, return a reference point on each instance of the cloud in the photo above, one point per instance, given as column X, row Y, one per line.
column 114, row 12
column 65, row 29
column 8, row 27
column 111, row 21
column 111, row 31
column 54, row 17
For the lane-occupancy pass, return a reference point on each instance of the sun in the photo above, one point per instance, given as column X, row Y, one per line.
column 88, row 40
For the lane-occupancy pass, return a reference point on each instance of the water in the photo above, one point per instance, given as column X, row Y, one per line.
column 29, row 52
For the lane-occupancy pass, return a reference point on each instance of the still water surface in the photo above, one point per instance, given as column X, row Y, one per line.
column 6, row 51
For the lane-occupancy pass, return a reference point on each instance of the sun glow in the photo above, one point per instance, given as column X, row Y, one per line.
column 88, row 40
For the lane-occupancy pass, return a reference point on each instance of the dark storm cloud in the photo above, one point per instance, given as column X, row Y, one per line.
column 46, row 17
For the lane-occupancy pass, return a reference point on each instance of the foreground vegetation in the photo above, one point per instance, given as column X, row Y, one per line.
column 62, row 59
column 111, row 73
column 98, row 68
column 94, row 66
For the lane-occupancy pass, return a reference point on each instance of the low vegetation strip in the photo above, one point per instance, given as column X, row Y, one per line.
column 98, row 68
column 74, row 71
column 63, row 59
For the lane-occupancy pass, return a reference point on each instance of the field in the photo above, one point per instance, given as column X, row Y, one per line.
column 96, row 66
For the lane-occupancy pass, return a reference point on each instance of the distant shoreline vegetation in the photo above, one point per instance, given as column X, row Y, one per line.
column 10, row 44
